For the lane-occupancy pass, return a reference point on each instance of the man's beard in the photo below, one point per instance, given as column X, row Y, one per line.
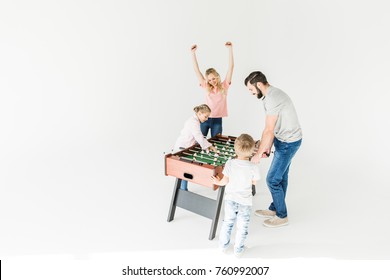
column 259, row 93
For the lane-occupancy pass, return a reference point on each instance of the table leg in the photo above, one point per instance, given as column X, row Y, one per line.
column 172, row 208
column 218, row 205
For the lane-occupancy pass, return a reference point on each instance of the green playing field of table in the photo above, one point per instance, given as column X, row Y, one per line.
column 225, row 151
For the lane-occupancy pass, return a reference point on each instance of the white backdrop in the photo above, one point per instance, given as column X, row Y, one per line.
column 92, row 93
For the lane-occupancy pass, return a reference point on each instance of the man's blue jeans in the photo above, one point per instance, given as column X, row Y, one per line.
column 277, row 177
column 214, row 124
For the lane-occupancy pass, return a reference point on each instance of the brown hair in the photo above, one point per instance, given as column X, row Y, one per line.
column 244, row 145
column 256, row 77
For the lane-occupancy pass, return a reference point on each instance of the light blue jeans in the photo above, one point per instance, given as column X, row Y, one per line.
column 277, row 177
column 235, row 212
column 184, row 185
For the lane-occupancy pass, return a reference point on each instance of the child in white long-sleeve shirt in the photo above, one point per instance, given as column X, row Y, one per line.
column 191, row 133
column 239, row 175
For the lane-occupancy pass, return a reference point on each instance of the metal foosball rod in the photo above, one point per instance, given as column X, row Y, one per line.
column 219, row 154
column 255, row 151
column 221, row 150
column 191, row 156
column 198, row 158
column 221, row 158
column 225, row 147
column 210, row 154
column 199, row 153
column 230, row 144
column 205, row 156
column 215, row 157
column 222, row 140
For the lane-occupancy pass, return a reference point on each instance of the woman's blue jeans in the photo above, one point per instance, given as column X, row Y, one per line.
column 277, row 177
column 213, row 124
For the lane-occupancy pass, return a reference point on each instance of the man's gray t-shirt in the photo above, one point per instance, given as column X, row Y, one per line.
column 287, row 128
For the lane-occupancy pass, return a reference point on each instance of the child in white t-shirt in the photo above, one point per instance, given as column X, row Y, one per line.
column 239, row 175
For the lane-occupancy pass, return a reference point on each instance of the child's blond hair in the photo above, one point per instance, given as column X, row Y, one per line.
column 203, row 108
column 244, row 145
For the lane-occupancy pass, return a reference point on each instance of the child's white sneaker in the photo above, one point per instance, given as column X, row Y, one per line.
column 239, row 254
column 224, row 249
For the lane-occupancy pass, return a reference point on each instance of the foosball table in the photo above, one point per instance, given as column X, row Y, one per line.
column 197, row 166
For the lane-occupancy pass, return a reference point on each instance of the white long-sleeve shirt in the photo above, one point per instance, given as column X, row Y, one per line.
column 190, row 134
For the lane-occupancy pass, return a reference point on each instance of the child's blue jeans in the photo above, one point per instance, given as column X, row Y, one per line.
column 235, row 213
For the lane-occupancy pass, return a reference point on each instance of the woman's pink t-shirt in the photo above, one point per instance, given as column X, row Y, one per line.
column 217, row 101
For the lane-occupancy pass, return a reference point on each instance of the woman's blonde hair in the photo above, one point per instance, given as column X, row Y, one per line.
column 203, row 108
column 219, row 84
column 244, row 145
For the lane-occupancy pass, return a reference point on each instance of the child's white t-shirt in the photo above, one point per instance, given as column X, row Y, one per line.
column 240, row 173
